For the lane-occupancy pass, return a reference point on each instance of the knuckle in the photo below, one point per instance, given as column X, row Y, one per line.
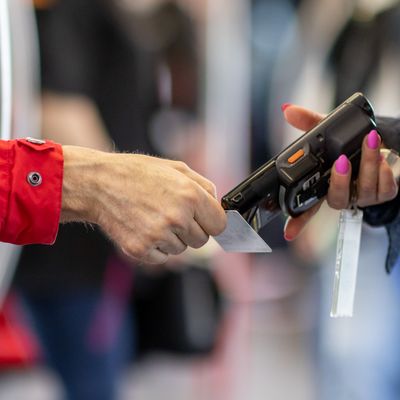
column 367, row 193
column 156, row 235
column 219, row 225
column 179, row 249
column 153, row 259
column 337, row 203
column 210, row 187
column 175, row 219
column 180, row 166
column 370, row 158
column 171, row 246
column 338, row 184
column 190, row 193
column 367, row 190
column 389, row 194
column 200, row 242
column 135, row 250
column 341, row 186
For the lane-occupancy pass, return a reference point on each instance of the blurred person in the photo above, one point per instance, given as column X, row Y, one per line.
column 346, row 78
column 270, row 21
column 353, row 356
column 128, row 72
column 355, row 353
column 281, row 280
column 359, row 343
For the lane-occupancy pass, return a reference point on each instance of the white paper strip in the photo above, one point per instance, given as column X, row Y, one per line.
column 347, row 254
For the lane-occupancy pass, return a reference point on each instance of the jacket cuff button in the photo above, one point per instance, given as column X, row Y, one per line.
column 35, row 140
column 34, row 178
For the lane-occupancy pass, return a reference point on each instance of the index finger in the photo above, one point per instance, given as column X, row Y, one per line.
column 301, row 118
column 207, row 185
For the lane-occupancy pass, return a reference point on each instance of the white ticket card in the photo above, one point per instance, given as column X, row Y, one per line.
column 347, row 254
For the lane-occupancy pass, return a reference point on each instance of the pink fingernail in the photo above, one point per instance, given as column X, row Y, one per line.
column 342, row 165
column 373, row 140
column 284, row 106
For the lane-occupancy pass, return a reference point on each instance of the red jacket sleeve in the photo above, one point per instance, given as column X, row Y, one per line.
column 31, row 173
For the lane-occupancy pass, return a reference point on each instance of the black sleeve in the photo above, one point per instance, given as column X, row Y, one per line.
column 389, row 129
column 69, row 40
column 387, row 214
column 383, row 214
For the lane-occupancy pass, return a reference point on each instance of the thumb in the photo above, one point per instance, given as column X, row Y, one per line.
column 294, row 226
column 301, row 118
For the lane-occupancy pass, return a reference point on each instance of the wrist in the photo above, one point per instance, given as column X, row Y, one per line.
column 82, row 168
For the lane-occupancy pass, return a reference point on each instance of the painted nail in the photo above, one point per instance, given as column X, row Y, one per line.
column 342, row 165
column 285, row 234
column 284, row 106
column 373, row 140
column 287, row 237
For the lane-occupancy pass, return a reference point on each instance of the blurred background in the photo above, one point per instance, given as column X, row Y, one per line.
column 202, row 81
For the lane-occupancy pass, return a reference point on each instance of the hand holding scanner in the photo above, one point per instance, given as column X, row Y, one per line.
column 298, row 177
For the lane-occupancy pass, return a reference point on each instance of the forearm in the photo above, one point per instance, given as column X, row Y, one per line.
column 72, row 119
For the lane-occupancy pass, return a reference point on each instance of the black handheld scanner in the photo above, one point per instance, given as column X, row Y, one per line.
column 295, row 180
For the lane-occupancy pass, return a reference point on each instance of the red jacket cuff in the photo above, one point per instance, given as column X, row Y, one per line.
column 31, row 174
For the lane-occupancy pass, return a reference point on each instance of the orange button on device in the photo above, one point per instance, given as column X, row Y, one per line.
column 296, row 156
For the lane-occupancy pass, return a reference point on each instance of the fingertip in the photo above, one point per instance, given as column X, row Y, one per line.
column 301, row 118
column 388, row 187
column 221, row 211
column 288, row 237
column 387, row 171
column 156, row 257
column 342, row 165
column 224, row 222
column 288, row 231
column 373, row 140
column 295, row 225
column 284, row 106
column 219, row 223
